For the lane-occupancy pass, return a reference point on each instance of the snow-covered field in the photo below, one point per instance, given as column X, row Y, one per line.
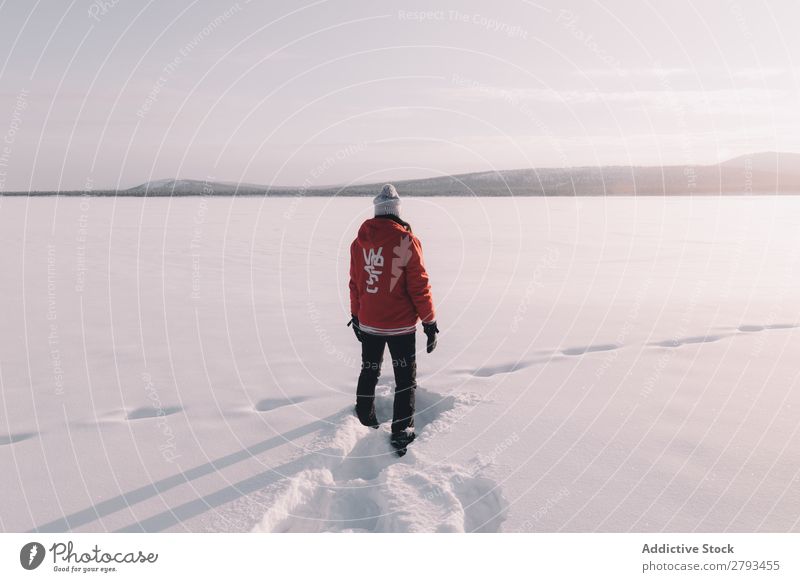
column 604, row 365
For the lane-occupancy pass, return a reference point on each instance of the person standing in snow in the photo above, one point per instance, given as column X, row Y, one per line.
column 389, row 293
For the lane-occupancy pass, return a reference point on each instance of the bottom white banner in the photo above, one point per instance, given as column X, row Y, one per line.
column 769, row 557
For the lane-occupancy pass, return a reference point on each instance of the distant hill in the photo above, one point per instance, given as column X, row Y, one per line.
column 760, row 173
column 193, row 187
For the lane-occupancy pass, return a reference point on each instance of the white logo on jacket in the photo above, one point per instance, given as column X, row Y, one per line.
column 402, row 254
column 371, row 262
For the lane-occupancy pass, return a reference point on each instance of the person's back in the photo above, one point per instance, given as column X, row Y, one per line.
column 389, row 293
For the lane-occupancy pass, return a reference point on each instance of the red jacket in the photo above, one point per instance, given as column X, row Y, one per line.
column 389, row 288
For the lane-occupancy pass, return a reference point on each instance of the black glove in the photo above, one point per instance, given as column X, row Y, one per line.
column 356, row 330
column 430, row 330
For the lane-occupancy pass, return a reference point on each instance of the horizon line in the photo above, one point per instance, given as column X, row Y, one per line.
column 249, row 186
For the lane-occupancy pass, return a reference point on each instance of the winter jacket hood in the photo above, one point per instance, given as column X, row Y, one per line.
column 379, row 231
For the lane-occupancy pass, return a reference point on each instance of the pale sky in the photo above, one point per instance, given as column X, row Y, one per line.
column 327, row 92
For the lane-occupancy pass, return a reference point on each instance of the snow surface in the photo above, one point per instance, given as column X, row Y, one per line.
column 604, row 365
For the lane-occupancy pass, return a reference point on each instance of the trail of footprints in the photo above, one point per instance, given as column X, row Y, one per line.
column 271, row 404
column 144, row 413
column 104, row 419
column 355, row 482
column 493, row 370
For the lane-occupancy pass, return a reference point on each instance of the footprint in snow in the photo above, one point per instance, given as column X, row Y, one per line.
column 120, row 416
column 152, row 412
column 355, row 482
column 581, row 350
column 10, row 439
column 677, row 342
column 751, row 328
column 268, row 404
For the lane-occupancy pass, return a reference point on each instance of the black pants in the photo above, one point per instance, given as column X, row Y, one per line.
column 404, row 362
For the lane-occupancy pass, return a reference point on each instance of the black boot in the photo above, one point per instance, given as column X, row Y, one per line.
column 401, row 440
column 366, row 415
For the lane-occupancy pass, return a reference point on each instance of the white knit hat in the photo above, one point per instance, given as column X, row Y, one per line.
column 387, row 202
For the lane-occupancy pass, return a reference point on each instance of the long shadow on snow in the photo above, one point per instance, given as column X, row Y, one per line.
column 430, row 407
column 145, row 492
